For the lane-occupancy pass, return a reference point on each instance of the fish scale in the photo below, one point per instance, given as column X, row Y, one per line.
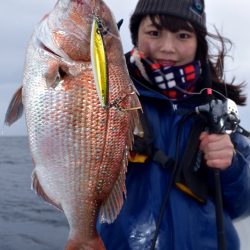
column 60, row 119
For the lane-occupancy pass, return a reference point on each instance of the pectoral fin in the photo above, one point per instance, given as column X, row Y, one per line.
column 15, row 109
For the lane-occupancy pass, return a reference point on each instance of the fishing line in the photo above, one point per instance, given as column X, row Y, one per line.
column 111, row 34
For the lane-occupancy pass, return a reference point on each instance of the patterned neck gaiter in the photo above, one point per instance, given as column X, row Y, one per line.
column 175, row 82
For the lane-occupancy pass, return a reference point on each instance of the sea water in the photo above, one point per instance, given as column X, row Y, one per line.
column 26, row 221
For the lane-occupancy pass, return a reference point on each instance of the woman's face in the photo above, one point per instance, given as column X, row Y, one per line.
column 165, row 47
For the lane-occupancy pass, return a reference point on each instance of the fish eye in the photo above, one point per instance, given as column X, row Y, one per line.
column 100, row 23
column 102, row 27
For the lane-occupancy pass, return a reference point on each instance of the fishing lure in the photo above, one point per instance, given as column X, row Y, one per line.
column 99, row 60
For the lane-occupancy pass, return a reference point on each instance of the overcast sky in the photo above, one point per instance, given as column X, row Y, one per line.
column 18, row 18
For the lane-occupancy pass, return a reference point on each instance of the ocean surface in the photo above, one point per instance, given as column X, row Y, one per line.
column 26, row 221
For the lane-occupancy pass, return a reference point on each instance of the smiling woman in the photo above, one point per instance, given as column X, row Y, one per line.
column 167, row 47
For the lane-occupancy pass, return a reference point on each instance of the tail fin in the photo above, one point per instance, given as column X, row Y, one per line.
column 80, row 244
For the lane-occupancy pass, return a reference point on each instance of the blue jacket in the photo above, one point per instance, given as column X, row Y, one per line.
column 187, row 223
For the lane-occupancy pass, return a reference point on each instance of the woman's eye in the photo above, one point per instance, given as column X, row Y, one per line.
column 153, row 33
column 184, row 35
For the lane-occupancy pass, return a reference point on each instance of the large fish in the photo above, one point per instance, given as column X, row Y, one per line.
column 81, row 112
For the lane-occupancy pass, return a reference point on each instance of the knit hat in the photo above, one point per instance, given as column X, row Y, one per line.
column 191, row 10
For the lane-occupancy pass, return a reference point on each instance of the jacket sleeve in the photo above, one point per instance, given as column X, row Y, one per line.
column 235, row 180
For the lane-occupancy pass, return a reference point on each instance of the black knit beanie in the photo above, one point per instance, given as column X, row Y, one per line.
column 190, row 10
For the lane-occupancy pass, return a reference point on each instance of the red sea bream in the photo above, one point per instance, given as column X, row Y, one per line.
column 81, row 114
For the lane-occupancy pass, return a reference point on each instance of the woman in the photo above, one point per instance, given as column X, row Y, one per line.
column 170, row 200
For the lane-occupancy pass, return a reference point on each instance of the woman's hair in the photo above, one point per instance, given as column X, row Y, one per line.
column 211, row 47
